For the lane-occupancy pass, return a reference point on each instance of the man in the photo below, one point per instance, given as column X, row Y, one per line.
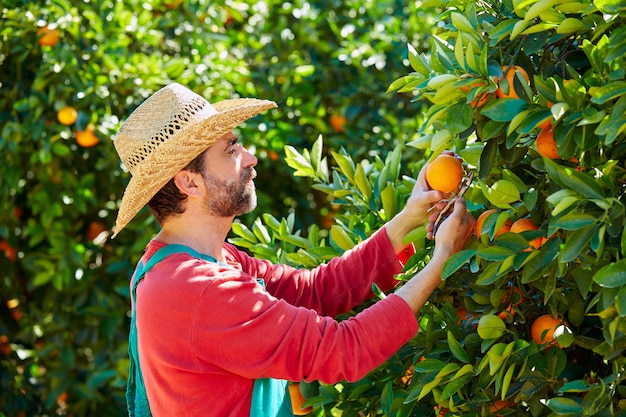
column 217, row 331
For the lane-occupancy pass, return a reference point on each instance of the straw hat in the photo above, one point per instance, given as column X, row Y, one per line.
column 165, row 133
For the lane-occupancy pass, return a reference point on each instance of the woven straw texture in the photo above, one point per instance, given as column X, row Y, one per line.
column 165, row 133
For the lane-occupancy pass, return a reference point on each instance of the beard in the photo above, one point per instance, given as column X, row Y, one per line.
column 229, row 198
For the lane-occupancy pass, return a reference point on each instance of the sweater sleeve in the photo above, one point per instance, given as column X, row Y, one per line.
column 335, row 287
column 243, row 329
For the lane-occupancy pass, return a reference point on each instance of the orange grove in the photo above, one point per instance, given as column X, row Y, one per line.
column 444, row 173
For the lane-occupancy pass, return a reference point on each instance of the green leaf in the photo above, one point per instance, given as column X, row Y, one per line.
column 459, row 118
column 609, row 92
column 612, row 275
column 504, row 109
column 456, row 261
column 341, row 238
column 610, row 6
column 573, row 221
column 575, row 242
column 564, row 406
column 456, row 349
column 495, row 253
column 535, row 268
column 454, row 386
column 574, row 180
column 346, row 165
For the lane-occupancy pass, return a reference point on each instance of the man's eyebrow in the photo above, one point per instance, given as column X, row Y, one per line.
column 233, row 140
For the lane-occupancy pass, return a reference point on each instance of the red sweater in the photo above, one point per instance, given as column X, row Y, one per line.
column 206, row 330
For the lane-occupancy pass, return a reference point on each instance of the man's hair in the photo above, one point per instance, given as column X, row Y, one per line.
column 169, row 201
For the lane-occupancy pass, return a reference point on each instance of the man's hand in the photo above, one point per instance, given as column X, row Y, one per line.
column 423, row 205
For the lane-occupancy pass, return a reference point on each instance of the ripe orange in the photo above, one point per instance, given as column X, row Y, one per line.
column 9, row 251
column 408, row 375
column 500, row 405
column 512, row 299
column 481, row 219
column 480, row 99
column 86, row 138
column 546, row 323
column 5, row 346
column 297, row 399
column 523, row 225
column 337, row 121
column 172, row 4
column 546, row 145
column 94, row 229
column 509, row 75
column 47, row 36
column 67, row 115
column 444, row 173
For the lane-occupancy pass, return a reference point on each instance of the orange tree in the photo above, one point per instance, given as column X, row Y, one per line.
column 71, row 71
column 531, row 321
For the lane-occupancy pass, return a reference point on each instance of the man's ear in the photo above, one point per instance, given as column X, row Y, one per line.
column 188, row 183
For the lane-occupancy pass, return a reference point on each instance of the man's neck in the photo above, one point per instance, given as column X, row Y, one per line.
column 205, row 234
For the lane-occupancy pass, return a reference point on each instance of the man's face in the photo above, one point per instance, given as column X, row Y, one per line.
column 228, row 174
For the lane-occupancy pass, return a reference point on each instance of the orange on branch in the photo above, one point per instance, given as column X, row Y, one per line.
column 444, row 173
column 67, row 115
column 297, row 399
column 86, row 138
column 481, row 220
column 546, row 145
column 9, row 251
column 337, row 121
column 509, row 78
column 94, row 229
column 542, row 329
column 523, row 225
column 47, row 36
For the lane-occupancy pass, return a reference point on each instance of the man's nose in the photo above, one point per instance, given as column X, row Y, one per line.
column 249, row 159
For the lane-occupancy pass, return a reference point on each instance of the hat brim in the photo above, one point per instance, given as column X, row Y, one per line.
column 175, row 154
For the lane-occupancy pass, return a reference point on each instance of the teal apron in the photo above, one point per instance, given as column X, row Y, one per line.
column 270, row 397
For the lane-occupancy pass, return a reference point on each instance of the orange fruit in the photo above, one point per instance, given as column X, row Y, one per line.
column 546, row 145
column 47, row 36
column 94, row 229
column 525, row 224
column 86, row 138
column 5, row 346
column 444, row 173
column 337, row 121
column 297, row 399
column 512, row 299
column 408, row 375
column 509, row 77
column 546, row 323
column 481, row 220
column 547, row 124
column 9, row 251
column 481, row 99
column 499, row 405
column 172, row 4
column 67, row 115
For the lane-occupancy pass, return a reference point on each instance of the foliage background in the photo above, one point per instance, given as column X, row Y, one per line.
column 63, row 298
column 63, row 292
